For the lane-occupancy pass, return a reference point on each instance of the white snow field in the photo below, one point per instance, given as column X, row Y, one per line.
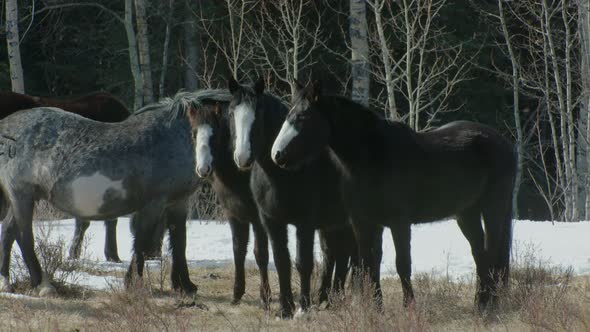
column 437, row 248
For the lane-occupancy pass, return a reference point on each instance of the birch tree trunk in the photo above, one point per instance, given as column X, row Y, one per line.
column 360, row 52
column 515, row 110
column 192, row 51
column 570, row 200
column 143, row 47
column 584, row 118
column 13, row 43
column 385, row 58
column 133, row 57
column 162, row 84
column 569, row 109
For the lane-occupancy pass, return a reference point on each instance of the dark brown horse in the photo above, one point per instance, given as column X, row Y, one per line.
column 99, row 106
column 393, row 176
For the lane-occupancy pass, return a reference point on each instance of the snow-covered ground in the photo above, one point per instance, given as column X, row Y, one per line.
column 438, row 248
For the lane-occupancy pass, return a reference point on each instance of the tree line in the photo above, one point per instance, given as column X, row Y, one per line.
column 522, row 67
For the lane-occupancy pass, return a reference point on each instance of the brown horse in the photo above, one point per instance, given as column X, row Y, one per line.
column 99, row 106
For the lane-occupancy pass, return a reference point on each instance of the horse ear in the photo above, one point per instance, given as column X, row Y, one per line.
column 315, row 90
column 192, row 115
column 259, row 86
column 233, row 85
column 217, row 109
column 299, row 85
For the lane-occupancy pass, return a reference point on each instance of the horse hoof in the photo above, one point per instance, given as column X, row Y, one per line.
column 235, row 301
column 115, row 259
column 190, row 289
column 300, row 314
column 284, row 314
column 5, row 286
column 264, row 305
column 47, row 291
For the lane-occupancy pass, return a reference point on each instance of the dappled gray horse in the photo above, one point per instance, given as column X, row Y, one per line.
column 93, row 170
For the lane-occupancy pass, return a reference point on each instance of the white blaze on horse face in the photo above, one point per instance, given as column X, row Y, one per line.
column 244, row 117
column 285, row 136
column 203, row 150
column 88, row 193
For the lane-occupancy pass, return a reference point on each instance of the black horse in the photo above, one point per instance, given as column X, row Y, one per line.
column 393, row 176
column 307, row 197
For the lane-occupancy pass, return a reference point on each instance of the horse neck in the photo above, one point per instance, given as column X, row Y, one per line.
column 274, row 113
column 222, row 149
column 358, row 136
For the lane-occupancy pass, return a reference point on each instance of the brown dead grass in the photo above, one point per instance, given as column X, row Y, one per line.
column 540, row 299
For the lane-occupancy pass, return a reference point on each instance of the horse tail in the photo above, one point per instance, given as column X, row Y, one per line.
column 4, row 205
column 506, row 227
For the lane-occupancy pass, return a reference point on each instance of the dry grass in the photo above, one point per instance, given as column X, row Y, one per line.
column 540, row 299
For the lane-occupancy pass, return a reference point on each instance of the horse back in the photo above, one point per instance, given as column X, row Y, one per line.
column 11, row 102
column 463, row 140
column 99, row 106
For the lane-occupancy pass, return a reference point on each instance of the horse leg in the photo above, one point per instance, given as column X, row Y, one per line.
column 176, row 221
column 304, row 263
column 110, row 246
column 498, row 224
column 6, row 241
column 81, row 227
column 277, row 233
column 143, row 222
column 469, row 222
column 261, row 255
column 369, row 259
column 401, row 234
column 23, row 215
column 153, row 248
column 329, row 260
column 239, row 233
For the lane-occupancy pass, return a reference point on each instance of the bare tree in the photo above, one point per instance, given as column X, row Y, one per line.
column 13, row 43
column 515, row 108
column 229, row 38
column 143, row 47
column 584, row 117
column 289, row 36
column 427, row 71
column 133, row 57
column 360, row 52
column 192, row 49
column 547, row 69
column 166, row 47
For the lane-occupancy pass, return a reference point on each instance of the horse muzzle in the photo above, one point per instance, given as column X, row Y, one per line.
column 243, row 161
column 204, row 171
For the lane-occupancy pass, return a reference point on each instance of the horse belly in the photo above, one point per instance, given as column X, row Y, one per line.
column 93, row 196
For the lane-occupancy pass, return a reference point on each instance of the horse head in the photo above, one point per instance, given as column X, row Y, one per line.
column 305, row 133
column 245, row 121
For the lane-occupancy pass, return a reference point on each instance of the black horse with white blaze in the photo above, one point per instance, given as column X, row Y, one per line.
column 232, row 186
column 393, row 176
column 307, row 197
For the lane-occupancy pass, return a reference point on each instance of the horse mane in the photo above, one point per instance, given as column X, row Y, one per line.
column 182, row 101
column 365, row 113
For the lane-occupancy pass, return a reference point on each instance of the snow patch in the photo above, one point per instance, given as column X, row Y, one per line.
column 438, row 248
